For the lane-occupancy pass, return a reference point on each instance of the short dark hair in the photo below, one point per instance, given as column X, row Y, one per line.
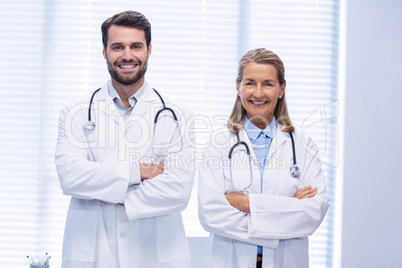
column 130, row 19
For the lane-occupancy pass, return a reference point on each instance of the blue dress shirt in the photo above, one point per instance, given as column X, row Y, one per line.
column 261, row 142
column 124, row 112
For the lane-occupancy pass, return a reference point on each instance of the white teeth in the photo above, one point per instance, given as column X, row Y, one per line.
column 126, row 66
column 258, row 102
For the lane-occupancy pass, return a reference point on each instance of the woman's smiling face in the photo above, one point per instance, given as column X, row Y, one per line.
column 259, row 92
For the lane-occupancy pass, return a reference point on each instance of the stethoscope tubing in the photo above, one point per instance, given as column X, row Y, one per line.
column 238, row 144
column 91, row 124
column 293, row 148
column 90, row 103
column 294, row 169
column 156, row 116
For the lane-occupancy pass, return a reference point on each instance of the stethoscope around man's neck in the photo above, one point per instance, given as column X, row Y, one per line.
column 91, row 124
column 294, row 169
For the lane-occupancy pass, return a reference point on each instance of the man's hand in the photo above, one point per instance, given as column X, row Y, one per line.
column 239, row 201
column 149, row 171
column 306, row 192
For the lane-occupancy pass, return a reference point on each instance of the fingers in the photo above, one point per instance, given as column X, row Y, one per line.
column 310, row 194
column 149, row 171
column 239, row 201
column 157, row 170
column 307, row 192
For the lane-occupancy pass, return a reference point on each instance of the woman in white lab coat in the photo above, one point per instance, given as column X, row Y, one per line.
column 256, row 207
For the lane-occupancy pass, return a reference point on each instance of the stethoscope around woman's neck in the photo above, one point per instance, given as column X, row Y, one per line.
column 294, row 169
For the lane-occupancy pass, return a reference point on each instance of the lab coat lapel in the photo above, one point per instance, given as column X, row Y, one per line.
column 277, row 142
column 107, row 108
column 256, row 185
column 139, row 125
column 144, row 103
column 244, row 137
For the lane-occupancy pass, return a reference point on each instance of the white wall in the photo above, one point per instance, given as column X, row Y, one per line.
column 372, row 204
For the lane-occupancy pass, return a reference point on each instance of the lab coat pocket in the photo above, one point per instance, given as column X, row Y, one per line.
column 296, row 253
column 220, row 252
column 171, row 239
column 80, row 236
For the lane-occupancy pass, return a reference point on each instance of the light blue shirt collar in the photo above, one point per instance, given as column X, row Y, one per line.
column 254, row 132
column 132, row 100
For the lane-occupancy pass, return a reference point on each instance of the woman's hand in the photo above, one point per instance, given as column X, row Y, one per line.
column 306, row 192
column 239, row 201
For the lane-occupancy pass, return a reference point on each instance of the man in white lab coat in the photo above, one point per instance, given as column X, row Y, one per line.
column 128, row 177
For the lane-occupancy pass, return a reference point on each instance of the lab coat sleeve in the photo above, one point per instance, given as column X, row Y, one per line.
column 282, row 217
column 79, row 175
column 216, row 215
column 169, row 192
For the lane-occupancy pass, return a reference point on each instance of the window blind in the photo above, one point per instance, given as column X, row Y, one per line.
column 21, row 49
column 51, row 52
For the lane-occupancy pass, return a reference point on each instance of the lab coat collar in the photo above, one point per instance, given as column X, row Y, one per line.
column 107, row 106
column 244, row 137
column 278, row 141
column 113, row 92
column 146, row 96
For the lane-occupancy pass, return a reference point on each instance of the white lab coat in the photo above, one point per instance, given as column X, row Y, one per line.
column 109, row 223
column 277, row 221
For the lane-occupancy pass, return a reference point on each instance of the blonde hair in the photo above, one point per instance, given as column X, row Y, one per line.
column 260, row 56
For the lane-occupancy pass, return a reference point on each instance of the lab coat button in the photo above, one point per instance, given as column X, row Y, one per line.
column 251, row 266
column 122, row 234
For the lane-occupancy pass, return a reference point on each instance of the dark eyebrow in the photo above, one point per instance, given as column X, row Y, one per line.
column 121, row 44
column 115, row 44
column 137, row 43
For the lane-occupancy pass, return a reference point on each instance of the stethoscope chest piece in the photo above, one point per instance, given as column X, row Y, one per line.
column 90, row 125
column 295, row 171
